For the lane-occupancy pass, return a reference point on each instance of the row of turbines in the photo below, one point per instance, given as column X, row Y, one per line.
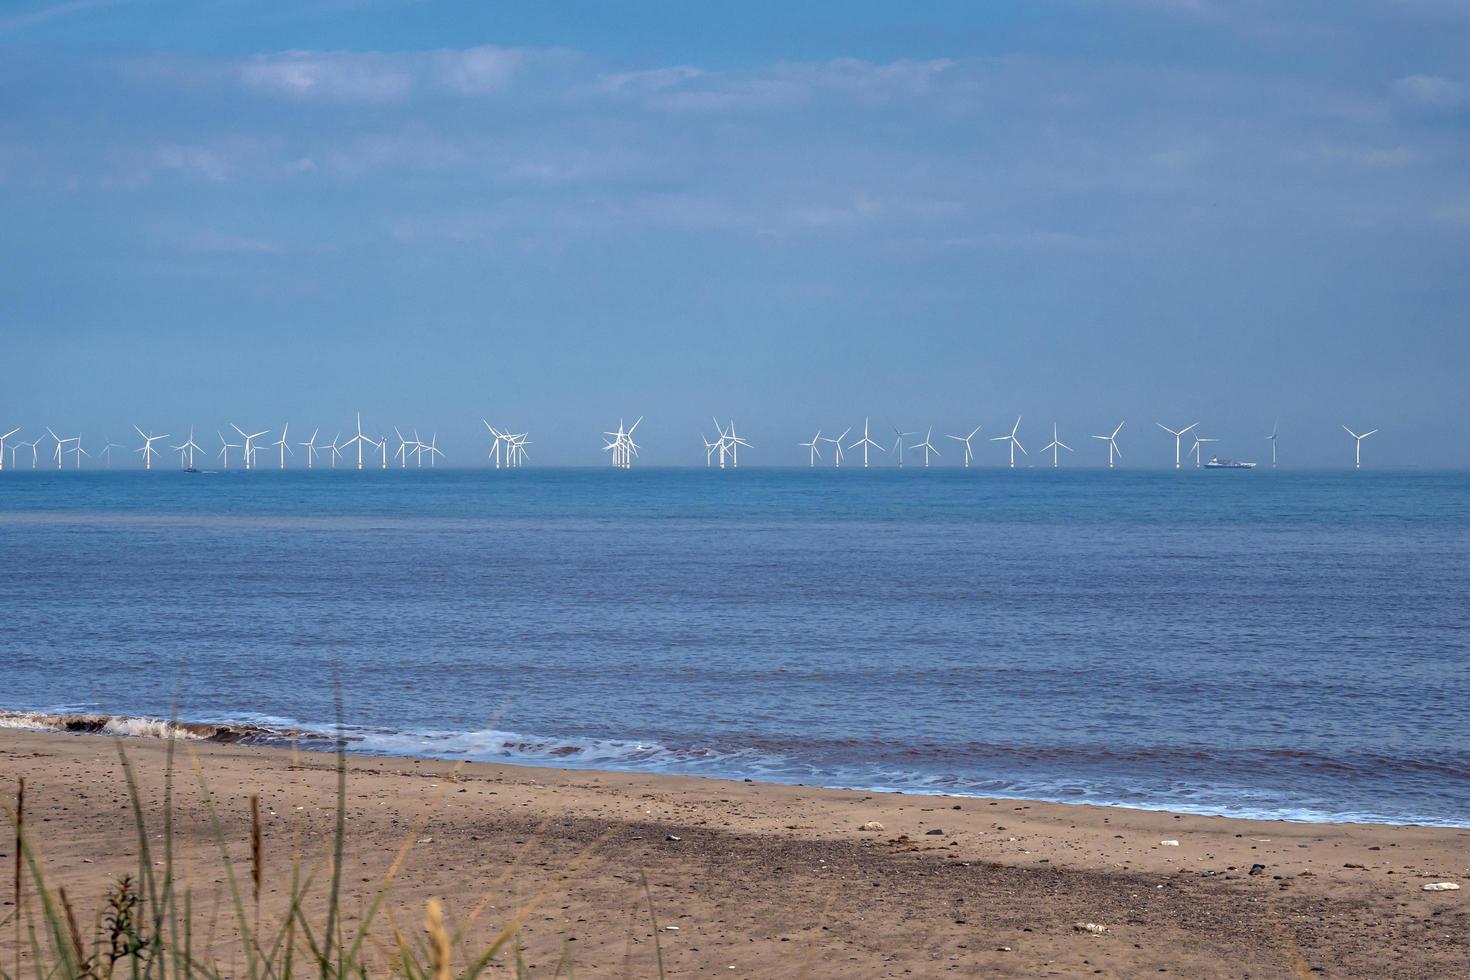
column 508, row 449
column 926, row 447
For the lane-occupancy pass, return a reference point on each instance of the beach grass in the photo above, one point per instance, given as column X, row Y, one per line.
column 149, row 925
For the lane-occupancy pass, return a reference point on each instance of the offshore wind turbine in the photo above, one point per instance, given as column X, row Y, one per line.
column 56, row 455
column 106, row 451
column 283, row 446
column 77, row 453
column 837, row 447
column 1014, row 442
column 249, row 447
column 494, row 452
column 927, row 446
column 360, row 439
column 225, row 446
column 186, row 452
column 969, row 454
column 1178, row 439
column 147, row 449
column 812, row 457
column 310, row 446
column 2, row 446
column 401, row 453
column 1195, row 449
column 1272, row 440
column 898, row 447
column 1055, row 444
column 1112, row 442
column 866, row 443
column 1358, row 445
column 334, row 449
column 32, row 444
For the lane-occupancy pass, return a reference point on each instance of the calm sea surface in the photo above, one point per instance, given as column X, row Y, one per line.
column 1287, row 644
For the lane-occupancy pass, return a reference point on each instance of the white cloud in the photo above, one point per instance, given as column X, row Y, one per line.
column 476, row 71
column 331, row 75
column 1432, row 91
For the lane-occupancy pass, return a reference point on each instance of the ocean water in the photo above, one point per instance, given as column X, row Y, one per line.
column 1254, row 643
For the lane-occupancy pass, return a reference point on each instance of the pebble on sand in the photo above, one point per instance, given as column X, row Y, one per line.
column 871, row 825
column 1091, row 927
column 1441, row 886
column 1169, row 843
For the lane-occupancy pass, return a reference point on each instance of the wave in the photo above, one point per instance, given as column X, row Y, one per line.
column 1087, row 778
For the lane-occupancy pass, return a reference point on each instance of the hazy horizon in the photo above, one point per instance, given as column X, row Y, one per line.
column 1079, row 210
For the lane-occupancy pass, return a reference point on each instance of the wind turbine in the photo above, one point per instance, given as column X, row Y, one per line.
column 225, row 446
column 59, row 443
column 1054, row 445
column 310, row 445
column 837, row 446
column 283, row 446
column 1195, row 449
column 813, row 456
column 622, row 447
column 335, row 449
column 402, row 452
column 927, row 446
column 1112, row 442
column 898, row 447
column 147, row 449
column 867, row 444
column 735, row 443
column 969, row 455
column 360, row 439
column 433, row 449
column 77, row 453
column 33, row 444
column 2, row 446
column 186, row 452
column 1358, row 445
column 1272, row 440
column 250, row 438
column 106, row 451
column 383, row 451
column 1178, row 439
column 494, row 446
column 1015, row 443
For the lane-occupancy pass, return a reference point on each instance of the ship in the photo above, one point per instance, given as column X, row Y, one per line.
column 1216, row 463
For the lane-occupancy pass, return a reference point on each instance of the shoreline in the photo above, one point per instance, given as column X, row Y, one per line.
column 755, row 874
column 320, row 739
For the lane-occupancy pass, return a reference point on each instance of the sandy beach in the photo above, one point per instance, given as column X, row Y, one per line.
column 756, row 880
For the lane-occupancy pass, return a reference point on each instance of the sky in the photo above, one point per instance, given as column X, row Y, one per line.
column 792, row 215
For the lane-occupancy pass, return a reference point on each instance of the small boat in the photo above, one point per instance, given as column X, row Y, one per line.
column 1216, row 463
column 190, row 469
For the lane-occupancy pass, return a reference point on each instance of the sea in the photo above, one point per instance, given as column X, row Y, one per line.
column 1255, row 643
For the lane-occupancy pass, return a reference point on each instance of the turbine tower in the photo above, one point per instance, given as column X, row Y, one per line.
column 60, row 442
column 1195, row 449
column 1112, row 442
column 147, row 449
column 837, row 447
column 77, row 453
column 335, row 449
column 282, row 446
column 969, row 455
column 225, row 446
column 1272, row 440
column 310, row 446
column 2, row 446
column 1178, row 440
column 1055, row 444
column 249, row 446
column 812, row 457
column 106, row 452
column 1358, row 445
column 928, row 446
column 898, row 446
column 186, row 452
column 361, row 440
column 1014, row 442
column 867, row 443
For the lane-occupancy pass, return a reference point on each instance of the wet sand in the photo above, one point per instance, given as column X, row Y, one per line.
column 757, row 880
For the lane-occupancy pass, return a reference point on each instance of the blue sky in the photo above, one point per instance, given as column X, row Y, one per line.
column 796, row 215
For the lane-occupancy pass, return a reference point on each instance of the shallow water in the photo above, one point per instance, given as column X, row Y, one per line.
column 1263, row 643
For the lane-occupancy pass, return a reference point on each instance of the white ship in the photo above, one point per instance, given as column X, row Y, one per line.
column 1216, row 463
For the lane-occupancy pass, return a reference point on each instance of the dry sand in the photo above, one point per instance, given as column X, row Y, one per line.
column 756, row 880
